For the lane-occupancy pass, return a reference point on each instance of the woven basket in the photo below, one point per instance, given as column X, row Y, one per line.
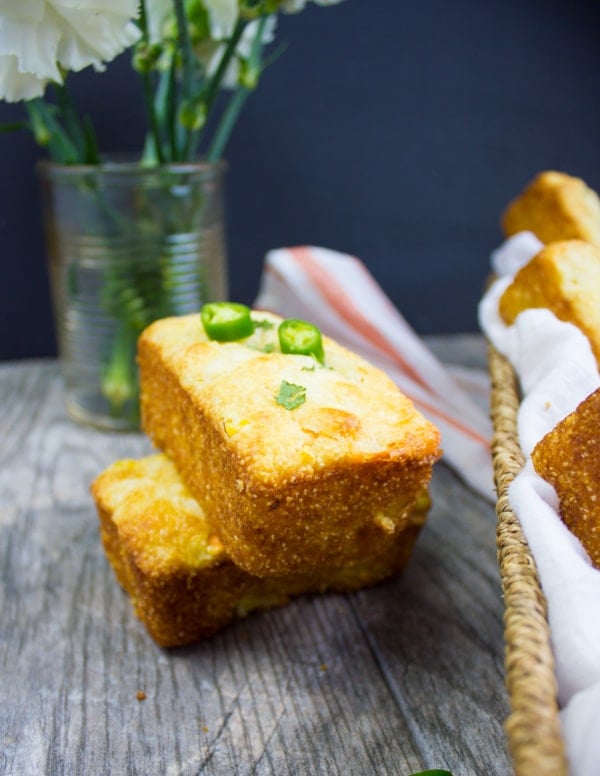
column 533, row 728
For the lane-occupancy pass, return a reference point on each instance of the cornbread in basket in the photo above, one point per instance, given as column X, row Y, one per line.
column 542, row 367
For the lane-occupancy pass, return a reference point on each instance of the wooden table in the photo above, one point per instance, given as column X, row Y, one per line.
column 391, row 680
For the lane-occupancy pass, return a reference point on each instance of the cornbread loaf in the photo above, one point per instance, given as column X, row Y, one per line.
column 182, row 584
column 298, row 465
column 555, row 206
column 563, row 277
column 568, row 457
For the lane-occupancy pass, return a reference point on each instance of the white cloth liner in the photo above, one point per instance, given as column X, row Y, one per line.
column 557, row 370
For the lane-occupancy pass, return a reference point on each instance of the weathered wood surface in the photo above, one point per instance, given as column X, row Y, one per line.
column 385, row 681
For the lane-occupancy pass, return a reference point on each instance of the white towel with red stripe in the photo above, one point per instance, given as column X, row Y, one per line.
column 336, row 292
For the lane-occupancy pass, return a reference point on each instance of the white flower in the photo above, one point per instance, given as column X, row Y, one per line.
column 268, row 36
column 242, row 51
column 158, row 14
column 295, row 6
column 16, row 86
column 38, row 37
column 223, row 15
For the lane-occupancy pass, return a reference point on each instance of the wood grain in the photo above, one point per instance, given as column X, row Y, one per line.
column 391, row 680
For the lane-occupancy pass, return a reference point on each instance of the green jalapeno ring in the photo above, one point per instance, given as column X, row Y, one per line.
column 226, row 321
column 301, row 338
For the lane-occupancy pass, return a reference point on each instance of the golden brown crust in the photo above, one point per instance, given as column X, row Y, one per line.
column 182, row 584
column 555, row 206
column 327, row 483
column 563, row 277
column 568, row 457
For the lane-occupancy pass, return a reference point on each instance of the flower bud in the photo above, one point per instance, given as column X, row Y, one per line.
column 248, row 75
column 252, row 9
column 192, row 114
column 40, row 130
column 145, row 56
column 198, row 21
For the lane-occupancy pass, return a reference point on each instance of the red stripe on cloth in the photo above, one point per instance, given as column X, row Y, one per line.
column 347, row 310
column 434, row 411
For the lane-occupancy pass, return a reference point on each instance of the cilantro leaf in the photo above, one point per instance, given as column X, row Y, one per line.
column 262, row 323
column 290, row 396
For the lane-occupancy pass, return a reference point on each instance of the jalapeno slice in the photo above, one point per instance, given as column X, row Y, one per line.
column 300, row 338
column 226, row 321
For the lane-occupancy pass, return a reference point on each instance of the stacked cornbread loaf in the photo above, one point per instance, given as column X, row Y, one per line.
column 288, row 465
column 564, row 277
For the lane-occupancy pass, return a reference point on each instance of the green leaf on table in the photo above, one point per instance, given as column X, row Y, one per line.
column 434, row 772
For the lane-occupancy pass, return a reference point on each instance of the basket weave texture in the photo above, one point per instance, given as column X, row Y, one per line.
column 533, row 728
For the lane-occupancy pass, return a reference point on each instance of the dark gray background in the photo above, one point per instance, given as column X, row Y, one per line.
column 394, row 131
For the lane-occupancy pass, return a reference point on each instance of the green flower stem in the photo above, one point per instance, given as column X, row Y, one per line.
column 165, row 108
column 235, row 105
column 49, row 132
column 12, row 126
column 132, row 296
column 187, row 67
column 119, row 379
column 227, row 123
column 153, row 150
column 153, row 153
column 171, row 108
column 187, row 52
column 79, row 130
column 257, row 44
column 70, row 140
column 213, row 86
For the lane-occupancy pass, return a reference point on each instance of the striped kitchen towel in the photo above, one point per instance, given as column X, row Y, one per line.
column 336, row 292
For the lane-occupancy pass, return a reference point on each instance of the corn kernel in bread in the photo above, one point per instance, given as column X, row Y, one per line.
column 326, row 483
column 555, row 206
column 563, row 277
column 568, row 457
column 181, row 582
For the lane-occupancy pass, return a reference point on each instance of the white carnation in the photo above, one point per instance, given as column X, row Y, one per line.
column 37, row 37
column 158, row 13
column 242, row 51
column 244, row 47
column 295, row 6
column 223, row 15
column 15, row 86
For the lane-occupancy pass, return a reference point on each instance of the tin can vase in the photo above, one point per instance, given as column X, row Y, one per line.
column 126, row 245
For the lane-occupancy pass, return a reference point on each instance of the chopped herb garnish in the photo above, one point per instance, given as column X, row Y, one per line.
column 290, row 396
column 310, row 368
column 262, row 323
column 268, row 347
